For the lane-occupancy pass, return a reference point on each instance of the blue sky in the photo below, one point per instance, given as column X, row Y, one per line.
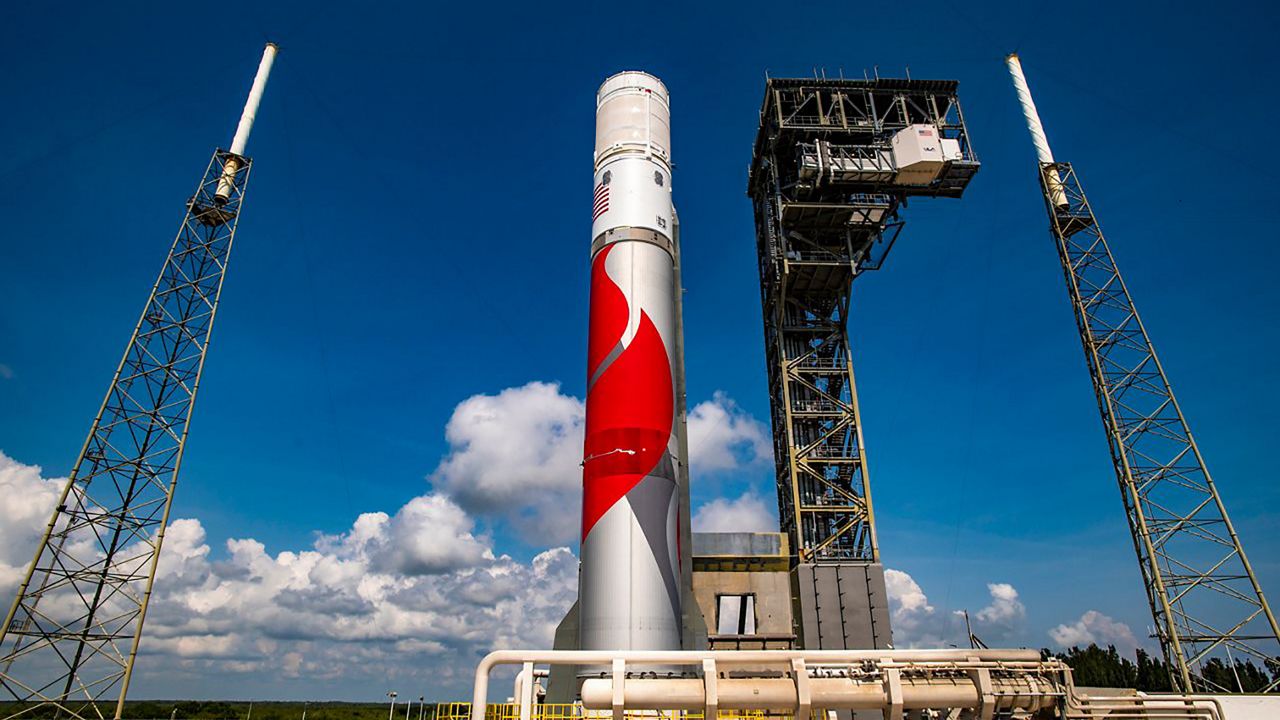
column 416, row 234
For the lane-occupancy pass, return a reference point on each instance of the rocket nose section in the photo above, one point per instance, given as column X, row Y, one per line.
column 633, row 115
column 631, row 80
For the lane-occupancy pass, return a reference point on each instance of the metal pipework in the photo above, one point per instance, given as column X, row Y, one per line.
column 985, row 682
column 226, row 184
column 795, row 693
column 1029, row 693
column 1038, row 138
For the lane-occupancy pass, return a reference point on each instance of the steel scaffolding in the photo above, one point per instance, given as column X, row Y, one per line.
column 1192, row 563
column 73, row 631
column 70, row 639
column 827, row 190
column 1203, row 594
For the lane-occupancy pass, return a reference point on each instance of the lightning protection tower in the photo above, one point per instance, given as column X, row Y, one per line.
column 1204, row 596
column 834, row 162
column 71, row 636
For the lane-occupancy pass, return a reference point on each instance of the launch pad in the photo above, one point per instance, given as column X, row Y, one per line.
column 671, row 623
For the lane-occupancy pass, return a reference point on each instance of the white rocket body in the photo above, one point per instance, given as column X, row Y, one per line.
column 629, row 588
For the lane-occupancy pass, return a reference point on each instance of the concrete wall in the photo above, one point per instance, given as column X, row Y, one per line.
column 772, row 590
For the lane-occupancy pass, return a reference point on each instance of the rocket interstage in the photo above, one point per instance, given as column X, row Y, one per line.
column 629, row 588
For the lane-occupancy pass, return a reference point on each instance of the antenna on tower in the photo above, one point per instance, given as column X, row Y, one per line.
column 74, row 628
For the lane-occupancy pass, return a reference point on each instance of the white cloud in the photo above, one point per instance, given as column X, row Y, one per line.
column 746, row 513
column 916, row 623
column 375, row 601
column 722, row 436
column 414, row 594
column 411, row 594
column 429, row 535
column 1096, row 628
column 26, row 501
column 1002, row 621
column 518, row 455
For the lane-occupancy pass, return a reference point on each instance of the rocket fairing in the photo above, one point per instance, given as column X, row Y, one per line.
column 629, row 589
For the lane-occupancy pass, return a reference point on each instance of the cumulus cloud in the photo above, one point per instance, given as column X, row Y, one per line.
column 372, row 601
column 723, row 436
column 916, row 623
column 1004, row 619
column 429, row 535
column 1096, row 628
column 746, row 513
column 518, row 454
column 26, row 500
column 417, row 593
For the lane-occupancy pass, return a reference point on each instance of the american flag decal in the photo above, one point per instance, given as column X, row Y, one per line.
column 602, row 201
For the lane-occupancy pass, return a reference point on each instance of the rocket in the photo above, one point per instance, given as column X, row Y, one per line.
column 629, row 590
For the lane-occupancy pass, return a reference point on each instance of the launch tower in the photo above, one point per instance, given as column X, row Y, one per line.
column 71, row 636
column 834, row 162
column 1204, row 596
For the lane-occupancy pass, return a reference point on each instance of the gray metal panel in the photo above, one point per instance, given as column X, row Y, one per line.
column 842, row 607
column 562, row 685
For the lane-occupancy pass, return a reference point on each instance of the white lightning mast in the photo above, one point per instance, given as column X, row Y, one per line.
column 241, row 139
column 1043, row 153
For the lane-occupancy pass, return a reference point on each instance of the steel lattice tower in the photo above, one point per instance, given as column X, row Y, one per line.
column 72, row 633
column 828, row 176
column 1203, row 593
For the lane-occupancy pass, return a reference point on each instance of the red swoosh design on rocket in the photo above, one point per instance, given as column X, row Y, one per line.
column 630, row 406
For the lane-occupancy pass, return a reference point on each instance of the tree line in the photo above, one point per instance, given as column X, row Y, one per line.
column 1095, row 667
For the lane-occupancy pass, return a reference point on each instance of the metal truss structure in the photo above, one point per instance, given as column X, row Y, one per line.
column 1193, row 565
column 72, row 634
column 827, row 192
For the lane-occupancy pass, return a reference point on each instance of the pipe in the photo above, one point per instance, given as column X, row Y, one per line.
column 1056, row 193
column 226, row 184
column 833, row 693
column 726, row 658
column 517, row 688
